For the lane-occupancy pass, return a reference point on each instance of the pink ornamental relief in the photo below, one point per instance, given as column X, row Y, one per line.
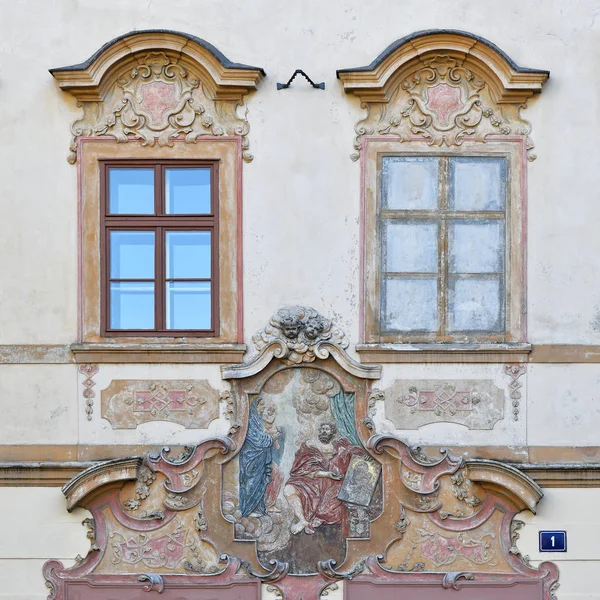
column 158, row 98
column 444, row 100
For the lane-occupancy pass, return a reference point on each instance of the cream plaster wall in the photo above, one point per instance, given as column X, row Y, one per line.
column 301, row 210
column 563, row 405
column 35, row 526
column 44, row 404
column 302, row 192
column 38, row 404
column 575, row 511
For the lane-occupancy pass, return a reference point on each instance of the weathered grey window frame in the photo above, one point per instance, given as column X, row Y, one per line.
column 443, row 215
column 514, row 153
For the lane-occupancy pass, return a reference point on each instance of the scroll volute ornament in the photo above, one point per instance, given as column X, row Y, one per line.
column 445, row 87
column 155, row 86
column 300, row 494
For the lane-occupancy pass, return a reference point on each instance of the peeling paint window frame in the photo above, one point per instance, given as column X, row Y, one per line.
column 372, row 329
column 442, row 216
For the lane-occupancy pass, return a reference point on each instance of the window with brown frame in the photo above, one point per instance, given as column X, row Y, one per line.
column 159, row 258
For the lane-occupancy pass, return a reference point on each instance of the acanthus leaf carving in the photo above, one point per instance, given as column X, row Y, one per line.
column 230, row 411
column 91, row 533
column 515, row 525
column 145, row 478
column 375, row 396
column 460, row 489
column 167, row 95
column 445, row 103
column 450, row 580
column 278, row 571
column 444, row 87
column 328, row 570
column 154, row 582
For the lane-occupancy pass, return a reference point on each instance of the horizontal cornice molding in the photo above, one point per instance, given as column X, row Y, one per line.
column 375, row 81
column 443, row 353
column 59, row 473
column 84, row 79
column 234, row 353
column 159, row 353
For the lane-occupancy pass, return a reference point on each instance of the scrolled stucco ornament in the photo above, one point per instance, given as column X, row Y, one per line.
column 156, row 86
column 444, row 87
column 300, row 332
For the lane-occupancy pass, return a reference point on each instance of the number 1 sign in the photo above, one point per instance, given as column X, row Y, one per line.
column 553, row 541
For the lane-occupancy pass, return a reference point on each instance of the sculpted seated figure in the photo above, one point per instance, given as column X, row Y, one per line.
column 316, row 478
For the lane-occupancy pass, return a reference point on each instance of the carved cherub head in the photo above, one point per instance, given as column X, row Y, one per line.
column 291, row 326
column 314, row 327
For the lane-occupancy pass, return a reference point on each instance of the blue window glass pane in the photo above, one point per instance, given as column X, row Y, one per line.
column 409, row 304
column 409, row 182
column 188, row 305
column 476, row 246
column 132, row 305
column 476, row 305
column 187, row 191
column 188, row 254
column 131, row 254
column 131, row 191
column 477, row 183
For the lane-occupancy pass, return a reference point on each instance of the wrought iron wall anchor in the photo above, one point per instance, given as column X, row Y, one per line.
column 284, row 86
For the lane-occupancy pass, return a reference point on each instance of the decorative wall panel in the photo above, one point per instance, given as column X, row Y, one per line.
column 477, row 404
column 300, row 495
column 189, row 402
column 88, row 371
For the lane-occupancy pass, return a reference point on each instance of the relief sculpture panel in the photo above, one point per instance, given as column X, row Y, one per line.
column 476, row 404
column 301, row 494
column 302, row 482
column 127, row 403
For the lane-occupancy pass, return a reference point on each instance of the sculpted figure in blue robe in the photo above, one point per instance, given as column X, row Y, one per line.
column 256, row 458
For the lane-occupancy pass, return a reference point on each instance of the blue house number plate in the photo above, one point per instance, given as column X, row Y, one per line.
column 553, row 541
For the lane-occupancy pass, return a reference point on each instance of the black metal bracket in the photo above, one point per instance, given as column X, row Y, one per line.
column 284, row 86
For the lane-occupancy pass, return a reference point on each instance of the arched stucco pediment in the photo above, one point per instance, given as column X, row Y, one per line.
column 157, row 85
column 444, row 86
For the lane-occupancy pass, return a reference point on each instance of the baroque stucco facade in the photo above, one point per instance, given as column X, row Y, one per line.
column 297, row 224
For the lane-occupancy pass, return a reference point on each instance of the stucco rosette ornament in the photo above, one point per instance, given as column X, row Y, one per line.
column 301, row 334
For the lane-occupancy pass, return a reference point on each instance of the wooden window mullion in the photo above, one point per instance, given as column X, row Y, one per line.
column 443, row 247
column 160, row 222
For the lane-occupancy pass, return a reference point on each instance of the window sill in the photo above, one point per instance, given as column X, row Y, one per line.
column 443, row 353
column 156, row 352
